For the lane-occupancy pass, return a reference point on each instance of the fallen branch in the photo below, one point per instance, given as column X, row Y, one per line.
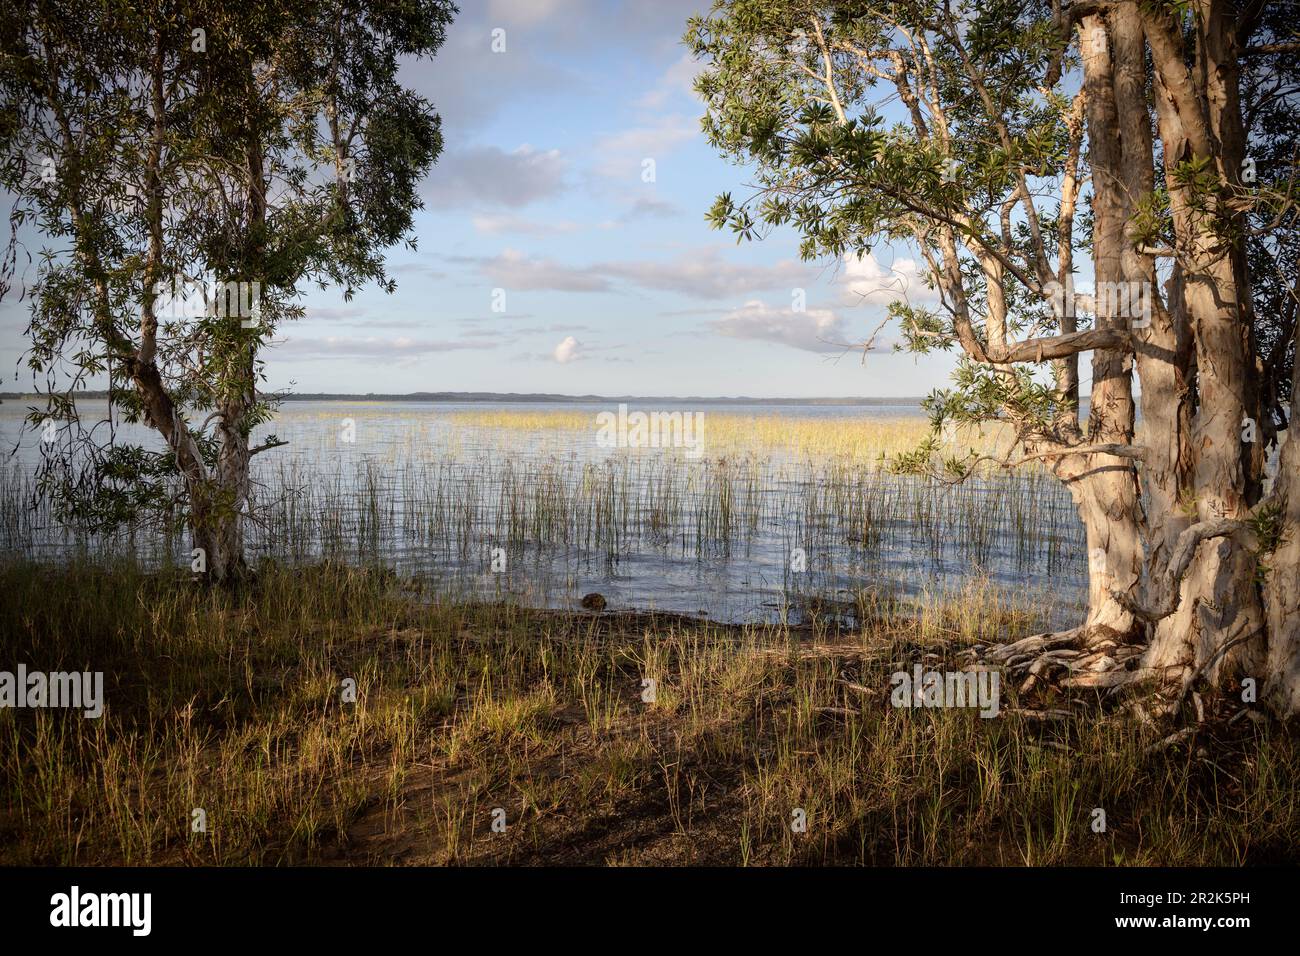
column 860, row 688
column 1035, row 644
column 1044, row 715
column 1173, row 740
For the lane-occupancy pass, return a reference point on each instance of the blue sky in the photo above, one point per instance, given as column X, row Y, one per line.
column 610, row 284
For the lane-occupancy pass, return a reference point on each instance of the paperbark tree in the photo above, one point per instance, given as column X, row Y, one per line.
column 199, row 162
column 970, row 131
column 1213, row 571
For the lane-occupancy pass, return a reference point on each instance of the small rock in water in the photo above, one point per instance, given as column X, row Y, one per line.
column 593, row 601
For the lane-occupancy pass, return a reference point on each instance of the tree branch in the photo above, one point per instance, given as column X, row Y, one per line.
column 266, row 446
column 1059, row 346
column 1135, row 452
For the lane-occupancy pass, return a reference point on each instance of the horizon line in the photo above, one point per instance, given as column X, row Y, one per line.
column 543, row 397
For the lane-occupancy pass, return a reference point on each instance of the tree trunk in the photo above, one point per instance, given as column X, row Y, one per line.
column 1162, row 338
column 1281, row 691
column 1282, row 583
column 218, row 505
column 1105, row 494
column 217, row 528
column 1104, row 487
column 1224, row 632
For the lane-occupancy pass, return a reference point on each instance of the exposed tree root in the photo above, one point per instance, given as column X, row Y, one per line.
column 1080, row 658
column 1094, row 660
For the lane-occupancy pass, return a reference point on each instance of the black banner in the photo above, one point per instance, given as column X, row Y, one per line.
column 335, row 906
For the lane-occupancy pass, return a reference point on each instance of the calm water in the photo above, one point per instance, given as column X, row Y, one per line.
column 546, row 516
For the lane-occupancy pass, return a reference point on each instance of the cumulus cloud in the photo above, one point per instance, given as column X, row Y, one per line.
column 701, row 274
column 867, row 282
column 568, row 350
column 815, row 330
column 488, row 175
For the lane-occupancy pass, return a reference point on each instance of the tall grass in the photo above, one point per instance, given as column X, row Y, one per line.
column 231, row 702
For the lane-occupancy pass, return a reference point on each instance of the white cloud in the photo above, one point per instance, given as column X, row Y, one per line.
column 513, row 269
column 677, row 79
column 701, row 274
column 620, row 155
column 528, row 12
column 705, row 274
column 496, row 225
column 867, row 282
column 568, row 350
column 815, row 330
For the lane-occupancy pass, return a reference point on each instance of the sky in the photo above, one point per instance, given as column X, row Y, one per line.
column 563, row 245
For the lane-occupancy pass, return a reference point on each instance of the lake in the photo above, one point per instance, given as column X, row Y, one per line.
column 764, row 512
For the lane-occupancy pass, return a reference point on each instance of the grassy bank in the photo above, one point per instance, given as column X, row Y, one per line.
column 233, row 704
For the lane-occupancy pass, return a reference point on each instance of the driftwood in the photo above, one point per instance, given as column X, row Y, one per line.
column 1043, row 715
column 1035, row 645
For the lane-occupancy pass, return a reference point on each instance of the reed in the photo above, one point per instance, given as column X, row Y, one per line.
column 435, row 498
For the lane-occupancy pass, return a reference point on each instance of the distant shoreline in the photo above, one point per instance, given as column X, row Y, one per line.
column 542, row 398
